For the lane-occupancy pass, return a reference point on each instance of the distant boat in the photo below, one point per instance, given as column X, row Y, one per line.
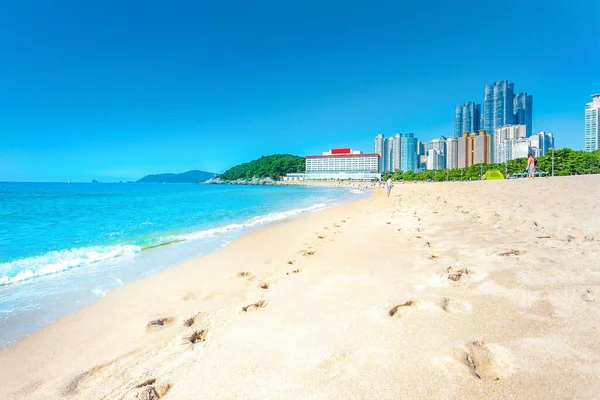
column 69, row 182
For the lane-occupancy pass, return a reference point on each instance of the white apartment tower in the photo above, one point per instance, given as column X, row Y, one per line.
column 592, row 124
column 379, row 149
column 452, row 153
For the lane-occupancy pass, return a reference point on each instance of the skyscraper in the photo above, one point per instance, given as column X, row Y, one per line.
column 452, row 153
column 379, row 144
column 523, row 108
column 458, row 120
column 396, row 152
column 409, row 161
column 592, row 124
column 498, row 106
column 467, row 118
column 388, row 151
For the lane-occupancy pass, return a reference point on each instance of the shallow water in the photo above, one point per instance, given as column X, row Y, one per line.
column 64, row 246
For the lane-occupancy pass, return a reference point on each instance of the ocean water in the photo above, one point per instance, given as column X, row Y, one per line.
column 64, row 246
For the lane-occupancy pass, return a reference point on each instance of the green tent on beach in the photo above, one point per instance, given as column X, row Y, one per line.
column 494, row 175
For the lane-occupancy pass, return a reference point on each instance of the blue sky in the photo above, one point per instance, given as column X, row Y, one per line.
column 115, row 90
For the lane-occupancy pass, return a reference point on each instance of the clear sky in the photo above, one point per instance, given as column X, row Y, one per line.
column 117, row 89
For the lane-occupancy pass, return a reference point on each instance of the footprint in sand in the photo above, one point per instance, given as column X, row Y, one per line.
column 454, row 306
column 255, row 306
column 457, row 275
column 488, row 361
column 198, row 336
column 307, row 253
column 156, row 324
column 265, row 285
column 512, row 252
column 321, row 237
column 590, row 296
column 294, row 271
column 149, row 390
column 195, row 319
column 244, row 274
column 396, row 311
column 291, row 262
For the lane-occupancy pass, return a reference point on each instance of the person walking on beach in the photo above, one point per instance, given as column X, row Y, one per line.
column 530, row 166
column 389, row 186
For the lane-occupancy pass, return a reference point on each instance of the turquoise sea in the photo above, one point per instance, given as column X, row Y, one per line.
column 63, row 246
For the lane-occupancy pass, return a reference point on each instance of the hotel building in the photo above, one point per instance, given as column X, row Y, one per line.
column 343, row 164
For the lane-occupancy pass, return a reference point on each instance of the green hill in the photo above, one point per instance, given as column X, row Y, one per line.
column 273, row 166
column 194, row 176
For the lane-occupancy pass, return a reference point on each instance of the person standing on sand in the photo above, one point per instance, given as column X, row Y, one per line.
column 389, row 186
column 530, row 166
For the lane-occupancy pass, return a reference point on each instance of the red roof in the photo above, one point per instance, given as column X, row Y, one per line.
column 345, row 155
column 345, row 150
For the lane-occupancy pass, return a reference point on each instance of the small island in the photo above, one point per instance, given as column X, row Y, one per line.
column 194, row 176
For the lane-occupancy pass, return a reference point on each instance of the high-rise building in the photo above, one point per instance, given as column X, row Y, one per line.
column 388, row 152
column 396, row 152
column 503, row 134
column 541, row 143
column 435, row 159
column 452, row 153
column 592, row 124
column 421, row 148
column 482, row 148
column 379, row 147
column 467, row 118
column 498, row 106
column 438, row 144
column 474, row 149
column 422, row 162
column 523, row 108
column 458, row 121
column 409, row 160
column 342, row 164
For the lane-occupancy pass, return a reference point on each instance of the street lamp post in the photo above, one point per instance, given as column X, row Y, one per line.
column 480, row 171
column 552, row 161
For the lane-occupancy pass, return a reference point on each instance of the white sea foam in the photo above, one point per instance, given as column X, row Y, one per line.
column 57, row 261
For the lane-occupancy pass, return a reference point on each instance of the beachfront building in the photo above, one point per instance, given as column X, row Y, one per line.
column 396, row 152
column 498, row 105
column 343, row 164
column 474, row 149
column 506, row 133
column 541, row 143
column 435, row 160
column 422, row 162
column 519, row 147
column 452, row 153
column 467, row 118
column 389, row 150
column 592, row 124
column 409, row 158
column 379, row 149
column 523, row 108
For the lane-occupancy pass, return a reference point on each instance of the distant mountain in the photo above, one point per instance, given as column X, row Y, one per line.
column 194, row 176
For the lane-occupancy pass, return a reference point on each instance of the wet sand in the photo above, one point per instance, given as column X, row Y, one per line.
column 443, row 291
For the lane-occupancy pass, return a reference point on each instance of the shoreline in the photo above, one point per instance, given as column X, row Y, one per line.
column 427, row 294
column 112, row 273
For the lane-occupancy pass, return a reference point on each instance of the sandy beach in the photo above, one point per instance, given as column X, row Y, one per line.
column 478, row 290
